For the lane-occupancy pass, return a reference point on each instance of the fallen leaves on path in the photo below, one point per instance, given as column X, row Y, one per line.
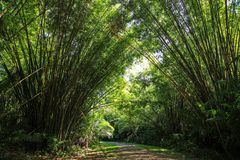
column 127, row 152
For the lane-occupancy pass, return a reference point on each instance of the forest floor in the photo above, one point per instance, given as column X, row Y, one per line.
column 109, row 151
column 125, row 151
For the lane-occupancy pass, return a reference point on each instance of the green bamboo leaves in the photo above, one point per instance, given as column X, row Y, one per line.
column 201, row 38
column 61, row 54
column 204, row 41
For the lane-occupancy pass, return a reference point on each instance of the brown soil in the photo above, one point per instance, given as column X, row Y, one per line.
column 127, row 152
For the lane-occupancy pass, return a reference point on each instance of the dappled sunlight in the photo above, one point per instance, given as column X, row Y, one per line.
column 119, row 79
column 126, row 152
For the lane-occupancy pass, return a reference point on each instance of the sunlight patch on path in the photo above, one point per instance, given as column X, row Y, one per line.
column 127, row 152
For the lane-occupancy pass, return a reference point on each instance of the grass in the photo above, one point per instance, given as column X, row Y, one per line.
column 201, row 154
column 105, row 147
column 102, row 149
column 108, row 147
column 164, row 151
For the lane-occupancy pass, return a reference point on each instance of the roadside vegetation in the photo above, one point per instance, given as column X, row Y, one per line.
column 153, row 72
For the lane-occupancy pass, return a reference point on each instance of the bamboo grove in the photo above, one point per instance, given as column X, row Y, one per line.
column 58, row 59
column 201, row 40
column 55, row 60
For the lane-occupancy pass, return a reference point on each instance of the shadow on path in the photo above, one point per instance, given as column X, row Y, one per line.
column 126, row 152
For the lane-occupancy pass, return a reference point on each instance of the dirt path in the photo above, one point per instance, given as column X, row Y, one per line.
column 127, row 152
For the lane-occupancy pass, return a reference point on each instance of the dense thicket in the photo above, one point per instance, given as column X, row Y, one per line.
column 55, row 57
column 203, row 42
column 195, row 45
column 59, row 59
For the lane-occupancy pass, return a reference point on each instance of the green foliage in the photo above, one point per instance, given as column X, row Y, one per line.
column 198, row 46
column 147, row 112
column 105, row 147
column 61, row 148
column 64, row 54
column 62, row 66
column 93, row 128
column 26, row 142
